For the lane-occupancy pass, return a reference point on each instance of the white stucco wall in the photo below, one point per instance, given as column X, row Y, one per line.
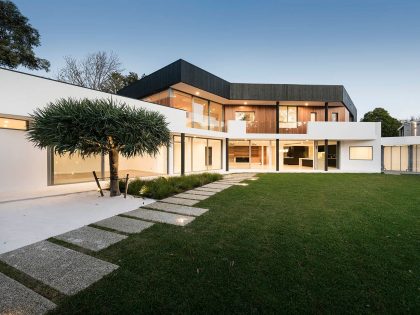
column 370, row 166
column 22, row 166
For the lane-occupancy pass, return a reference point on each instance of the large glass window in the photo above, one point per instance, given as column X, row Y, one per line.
column 9, row 123
column 161, row 98
column 254, row 154
column 417, row 160
column 361, row 153
column 200, row 113
column 248, row 116
column 201, row 154
column 75, row 169
column 216, row 116
column 288, row 116
column 183, row 101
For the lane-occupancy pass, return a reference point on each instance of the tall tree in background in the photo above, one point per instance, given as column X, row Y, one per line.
column 17, row 40
column 390, row 124
column 117, row 81
column 93, row 71
column 93, row 127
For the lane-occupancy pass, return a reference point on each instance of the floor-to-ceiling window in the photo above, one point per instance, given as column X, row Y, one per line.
column 201, row 154
column 216, row 120
column 67, row 169
column 296, row 155
column 396, row 158
column 254, row 154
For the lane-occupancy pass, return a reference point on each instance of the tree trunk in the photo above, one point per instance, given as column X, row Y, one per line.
column 113, row 170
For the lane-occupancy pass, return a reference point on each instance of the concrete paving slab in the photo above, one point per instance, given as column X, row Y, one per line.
column 216, row 190
column 180, row 201
column 201, row 192
column 61, row 268
column 124, row 224
column 161, row 217
column 15, row 298
column 219, row 186
column 191, row 196
column 91, row 238
column 162, row 206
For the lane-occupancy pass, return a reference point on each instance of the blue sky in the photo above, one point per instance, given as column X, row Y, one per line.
column 372, row 47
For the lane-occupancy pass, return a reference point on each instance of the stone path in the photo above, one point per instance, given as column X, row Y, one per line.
column 125, row 225
column 180, row 201
column 176, row 208
column 70, row 271
column 161, row 217
column 61, row 268
column 91, row 238
column 15, row 298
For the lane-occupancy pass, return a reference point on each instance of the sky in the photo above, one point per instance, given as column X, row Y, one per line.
column 372, row 47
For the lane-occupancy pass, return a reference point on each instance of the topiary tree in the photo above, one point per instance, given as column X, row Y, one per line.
column 101, row 126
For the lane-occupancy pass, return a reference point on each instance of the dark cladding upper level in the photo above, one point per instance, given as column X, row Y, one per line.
column 185, row 72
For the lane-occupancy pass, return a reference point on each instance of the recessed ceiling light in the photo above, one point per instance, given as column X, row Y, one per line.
column 306, row 104
column 245, row 103
column 197, row 93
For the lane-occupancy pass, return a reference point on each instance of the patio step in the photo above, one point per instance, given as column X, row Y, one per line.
column 91, row 238
column 63, row 269
column 160, row 216
column 201, row 192
column 191, row 196
column 180, row 201
column 15, row 298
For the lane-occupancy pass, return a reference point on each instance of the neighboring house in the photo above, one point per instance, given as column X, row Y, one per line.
column 409, row 128
column 216, row 126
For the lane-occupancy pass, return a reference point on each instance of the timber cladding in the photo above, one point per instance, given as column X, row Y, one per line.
column 265, row 117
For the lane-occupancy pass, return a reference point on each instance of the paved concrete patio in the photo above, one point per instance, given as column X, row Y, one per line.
column 29, row 221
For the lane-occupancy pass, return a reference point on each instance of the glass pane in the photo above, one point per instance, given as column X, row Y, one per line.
column 188, row 155
column 396, row 166
column 387, row 158
column 404, row 158
column 313, row 116
column 177, row 154
column 215, row 154
column 9, row 123
column 200, row 113
column 199, row 154
column 292, row 114
column 161, row 98
column 75, row 169
column 283, row 114
column 216, row 116
column 141, row 166
column 239, row 154
column 183, row 101
column 417, row 158
column 246, row 116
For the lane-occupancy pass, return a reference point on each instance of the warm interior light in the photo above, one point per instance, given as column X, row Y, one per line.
column 197, row 93
column 245, row 103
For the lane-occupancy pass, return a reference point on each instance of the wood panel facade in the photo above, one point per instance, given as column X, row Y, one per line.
column 265, row 117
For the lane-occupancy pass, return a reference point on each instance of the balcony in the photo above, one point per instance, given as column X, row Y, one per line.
column 204, row 122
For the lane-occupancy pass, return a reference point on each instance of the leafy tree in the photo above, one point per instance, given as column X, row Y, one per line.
column 17, row 40
column 390, row 124
column 91, row 127
column 117, row 81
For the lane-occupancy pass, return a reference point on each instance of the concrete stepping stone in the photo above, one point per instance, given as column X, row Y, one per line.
column 125, row 225
column 161, row 217
column 201, row 192
column 191, row 196
column 180, row 201
column 220, row 186
column 91, row 238
column 61, row 268
column 15, row 298
column 215, row 190
column 162, row 206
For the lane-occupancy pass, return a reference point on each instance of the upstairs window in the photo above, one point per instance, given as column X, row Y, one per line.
column 11, row 123
column 334, row 117
column 288, row 116
column 313, row 116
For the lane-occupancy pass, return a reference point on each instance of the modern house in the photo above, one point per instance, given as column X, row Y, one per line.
column 216, row 126
column 409, row 129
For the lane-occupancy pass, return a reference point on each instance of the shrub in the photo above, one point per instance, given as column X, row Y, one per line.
column 163, row 187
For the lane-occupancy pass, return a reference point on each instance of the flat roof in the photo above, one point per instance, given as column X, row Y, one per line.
column 182, row 71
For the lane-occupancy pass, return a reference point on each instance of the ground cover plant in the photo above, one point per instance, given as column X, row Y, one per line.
column 163, row 187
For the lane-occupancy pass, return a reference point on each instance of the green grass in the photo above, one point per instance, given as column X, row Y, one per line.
column 287, row 243
column 163, row 187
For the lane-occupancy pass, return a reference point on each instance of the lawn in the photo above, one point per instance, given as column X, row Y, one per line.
column 287, row 243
